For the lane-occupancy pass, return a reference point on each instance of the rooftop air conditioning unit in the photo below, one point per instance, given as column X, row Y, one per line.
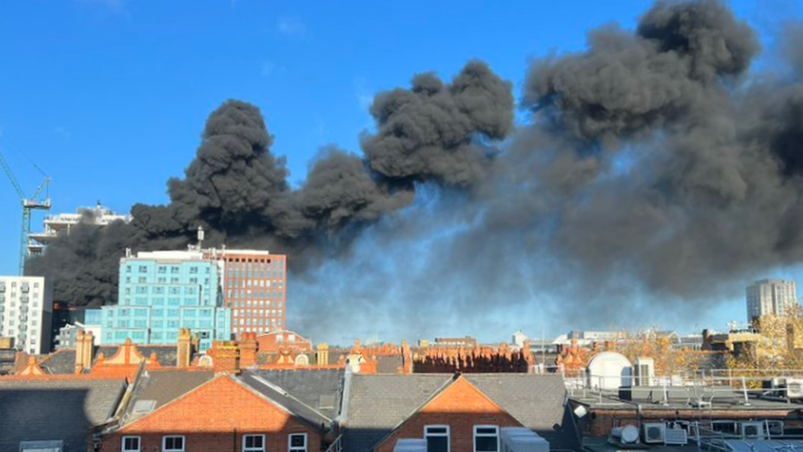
column 410, row 445
column 644, row 372
column 775, row 428
column 625, row 435
column 520, row 439
column 752, row 429
column 654, row 432
column 794, row 388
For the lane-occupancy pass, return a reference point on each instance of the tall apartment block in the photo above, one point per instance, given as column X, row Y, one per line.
column 163, row 291
column 26, row 307
column 254, row 289
column 770, row 297
column 62, row 223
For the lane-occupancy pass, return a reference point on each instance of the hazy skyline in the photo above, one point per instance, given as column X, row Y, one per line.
column 110, row 98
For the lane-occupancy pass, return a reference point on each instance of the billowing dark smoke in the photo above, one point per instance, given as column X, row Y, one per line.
column 430, row 132
column 656, row 167
column 237, row 190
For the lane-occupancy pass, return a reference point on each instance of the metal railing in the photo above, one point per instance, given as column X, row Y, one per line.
column 705, row 437
column 701, row 391
column 337, row 445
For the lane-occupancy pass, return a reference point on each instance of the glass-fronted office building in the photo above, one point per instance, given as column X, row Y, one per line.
column 163, row 291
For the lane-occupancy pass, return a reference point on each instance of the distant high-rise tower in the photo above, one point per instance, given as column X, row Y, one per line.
column 770, row 297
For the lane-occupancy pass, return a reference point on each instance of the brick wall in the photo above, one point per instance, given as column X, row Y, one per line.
column 214, row 417
column 460, row 406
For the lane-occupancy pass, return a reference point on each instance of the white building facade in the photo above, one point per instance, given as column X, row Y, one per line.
column 770, row 297
column 26, row 310
column 63, row 223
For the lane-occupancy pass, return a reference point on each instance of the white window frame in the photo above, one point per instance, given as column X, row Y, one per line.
column 448, row 435
column 485, row 435
column 139, row 444
column 183, row 443
column 254, row 449
column 290, row 447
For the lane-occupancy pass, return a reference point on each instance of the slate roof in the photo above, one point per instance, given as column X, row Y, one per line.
column 538, row 402
column 313, row 394
column 162, row 387
column 388, row 364
column 166, row 354
column 55, row 410
column 62, row 362
column 376, row 404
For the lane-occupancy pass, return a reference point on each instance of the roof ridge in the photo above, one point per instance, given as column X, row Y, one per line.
column 283, row 392
column 447, row 384
column 175, row 400
column 274, row 402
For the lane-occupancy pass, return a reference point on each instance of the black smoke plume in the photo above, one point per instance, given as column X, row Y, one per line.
column 237, row 190
column 655, row 167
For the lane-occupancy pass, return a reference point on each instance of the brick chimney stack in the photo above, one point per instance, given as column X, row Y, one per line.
column 407, row 358
column 83, row 351
column 226, row 356
column 184, row 351
column 248, row 350
column 322, row 358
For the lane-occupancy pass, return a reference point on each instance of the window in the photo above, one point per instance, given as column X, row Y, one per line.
column 172, row 444
column 253, row 443
column 297, row 442
column 437, row 437
column 486, row 438
column 143, row 269
column 131, row 444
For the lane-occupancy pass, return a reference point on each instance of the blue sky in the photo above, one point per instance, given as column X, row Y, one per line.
column 109, row 97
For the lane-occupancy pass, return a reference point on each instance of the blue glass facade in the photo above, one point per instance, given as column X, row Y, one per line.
column 157, row 297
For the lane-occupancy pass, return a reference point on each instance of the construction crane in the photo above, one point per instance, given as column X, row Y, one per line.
column 28, row 205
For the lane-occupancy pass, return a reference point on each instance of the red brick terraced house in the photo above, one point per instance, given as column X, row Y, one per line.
column 176, row 411
column 460, row 413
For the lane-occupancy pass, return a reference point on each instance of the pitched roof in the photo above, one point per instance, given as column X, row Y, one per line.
column 155, row 389
column 537, row 401
column 55, row 410
column 376, row 404
column 223, row 392
column 62, row 362
column 312, row 394
column 388, row 364
column 167, row 355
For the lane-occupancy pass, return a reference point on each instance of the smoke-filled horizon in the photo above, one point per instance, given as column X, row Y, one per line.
column 655, row 170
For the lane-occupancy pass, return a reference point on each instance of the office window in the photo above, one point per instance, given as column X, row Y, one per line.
column 162, row 269
column 193, row 270
column 172, row 444
column 143, row 269
column 174, row 270
column 437, row 437
column 297, row 442
column 253, row 443
column 486, row 438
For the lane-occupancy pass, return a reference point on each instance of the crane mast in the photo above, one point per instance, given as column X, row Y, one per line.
column 29, row 204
